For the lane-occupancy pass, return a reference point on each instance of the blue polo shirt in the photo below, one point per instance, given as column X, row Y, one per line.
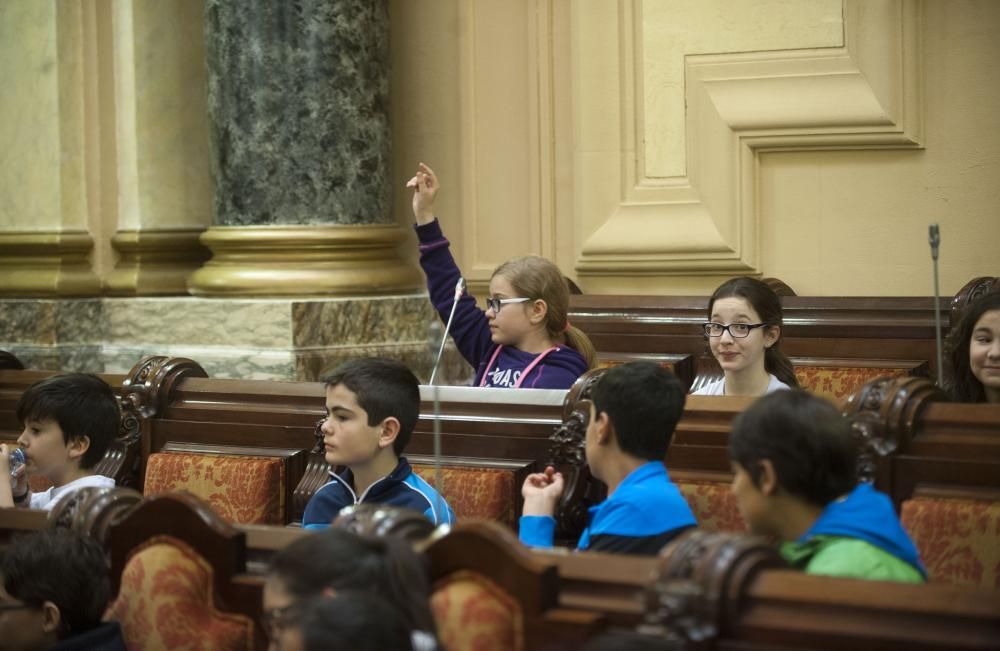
column 644, row 513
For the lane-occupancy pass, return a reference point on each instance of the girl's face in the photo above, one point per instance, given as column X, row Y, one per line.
column 512, row 322
column 743, row 355
column 984, row 353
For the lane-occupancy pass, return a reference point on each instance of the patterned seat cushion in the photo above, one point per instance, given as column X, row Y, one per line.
column 166, row 601
column 713, row 505
column 483, row 493
column 473, row 614
column 958, row 539
column 241, row 489
column 838, row 382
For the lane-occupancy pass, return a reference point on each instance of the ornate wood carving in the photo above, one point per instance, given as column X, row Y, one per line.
column 882, row 416
column 699, row 579
column 9, row 361
column 316, row 474
column 567, row 454
column 384, row 520
column 971, row 292
column 91, row 511
column 145, row 393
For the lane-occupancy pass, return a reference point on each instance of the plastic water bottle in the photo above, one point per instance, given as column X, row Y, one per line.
column 16, row 460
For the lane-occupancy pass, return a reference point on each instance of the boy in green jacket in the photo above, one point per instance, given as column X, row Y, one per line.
column 795, row 479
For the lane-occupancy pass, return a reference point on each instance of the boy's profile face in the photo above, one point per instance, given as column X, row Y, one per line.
column 46, row 451
column 754, row 504
column 348, row 439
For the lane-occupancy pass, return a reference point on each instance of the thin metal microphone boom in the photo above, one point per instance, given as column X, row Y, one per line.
column 459, row 290
column 935, row 239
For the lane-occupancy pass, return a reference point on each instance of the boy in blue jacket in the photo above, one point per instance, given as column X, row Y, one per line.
column 372, row 406
column 632, row 419
column 795, row 479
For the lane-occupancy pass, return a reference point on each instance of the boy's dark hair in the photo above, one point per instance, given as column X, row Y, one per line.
column 339, row 559
column 959, row 382
column 383, row 388
column 83, row 405
column 351, row 621
column 806, row 440
column 644, row 402
column 767, row 305
column 63, row 567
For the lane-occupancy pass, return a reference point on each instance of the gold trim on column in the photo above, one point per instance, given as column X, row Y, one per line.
column 155, row 262
column 303, row 260
column 47, row 263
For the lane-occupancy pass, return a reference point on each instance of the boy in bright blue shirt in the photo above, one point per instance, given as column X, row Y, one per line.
column 634, row 411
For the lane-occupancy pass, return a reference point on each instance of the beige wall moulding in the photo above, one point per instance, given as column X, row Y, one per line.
column 47, row 263
column 304, row 261
column 155, row 262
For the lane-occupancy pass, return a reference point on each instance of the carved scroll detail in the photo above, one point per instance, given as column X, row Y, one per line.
column 91, row 511
column 882, row 414
column 383, row 520
column 316, row 474
column 973, row 290
column 699, row 579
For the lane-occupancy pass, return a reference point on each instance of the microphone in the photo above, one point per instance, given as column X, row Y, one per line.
column 459, row 290
column 934, row 234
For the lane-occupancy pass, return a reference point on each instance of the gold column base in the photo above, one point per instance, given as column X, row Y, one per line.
column 155, row 262
column 47, row 263
column 304, row 261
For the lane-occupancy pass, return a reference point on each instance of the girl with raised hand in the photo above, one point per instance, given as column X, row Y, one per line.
column 523, row 339
column 743, row 331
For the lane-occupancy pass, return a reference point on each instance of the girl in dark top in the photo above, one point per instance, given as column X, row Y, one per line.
column 523, row 339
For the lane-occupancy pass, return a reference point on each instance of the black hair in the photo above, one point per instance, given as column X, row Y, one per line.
column 383, row 388
column 61, row 566
column 959, row 382
column 82, row 404
column 351, row 621
column 342, row 560
column 807, row 441
column 767, row 305
column 644, row 401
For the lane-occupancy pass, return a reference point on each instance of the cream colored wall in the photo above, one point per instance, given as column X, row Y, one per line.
column 856, row 222
column 820, row 139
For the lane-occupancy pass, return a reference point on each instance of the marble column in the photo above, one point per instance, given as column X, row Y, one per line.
column 298, row 101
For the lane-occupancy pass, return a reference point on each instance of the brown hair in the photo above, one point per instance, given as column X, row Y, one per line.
column 535, row 277
column 959, row 382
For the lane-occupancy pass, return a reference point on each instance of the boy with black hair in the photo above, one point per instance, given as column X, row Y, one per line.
column 346, row 621
column 69, row 421
column 55, row 591
column 632, row 419
column 372, row 407
column 795, row 466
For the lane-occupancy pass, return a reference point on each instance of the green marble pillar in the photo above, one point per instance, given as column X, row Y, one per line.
column 298, row 101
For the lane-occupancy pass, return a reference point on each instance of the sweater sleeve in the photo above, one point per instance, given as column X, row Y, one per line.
column 470, row 328
column 537, row 530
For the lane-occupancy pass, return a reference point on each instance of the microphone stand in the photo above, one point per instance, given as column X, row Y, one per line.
column 438, row 479
column 935, row 240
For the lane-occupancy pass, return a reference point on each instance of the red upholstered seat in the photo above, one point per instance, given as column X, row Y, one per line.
column 713, row 505
column 242, row 489
column 958, row 539
column 166, row 601
column 473, row 614
column 482, row 493
column 838, row 382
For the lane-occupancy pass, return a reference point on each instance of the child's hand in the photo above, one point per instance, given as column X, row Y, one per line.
column 541, row 492
column 425, row 186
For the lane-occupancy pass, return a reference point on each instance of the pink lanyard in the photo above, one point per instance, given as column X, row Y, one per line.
column 524, row 373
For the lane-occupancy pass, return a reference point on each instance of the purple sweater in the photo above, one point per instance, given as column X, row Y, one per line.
column 471, row 329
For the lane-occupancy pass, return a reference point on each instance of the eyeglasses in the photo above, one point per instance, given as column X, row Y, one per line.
column 496, row 303
column 735, row 330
